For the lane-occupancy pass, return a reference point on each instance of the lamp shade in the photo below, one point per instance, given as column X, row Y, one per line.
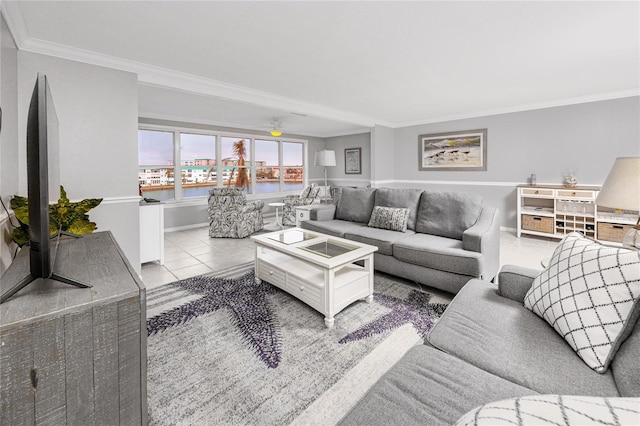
column 621, row 189
column 326, row 158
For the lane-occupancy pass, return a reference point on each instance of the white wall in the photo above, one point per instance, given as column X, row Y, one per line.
column 583, row 138
column 97, row 111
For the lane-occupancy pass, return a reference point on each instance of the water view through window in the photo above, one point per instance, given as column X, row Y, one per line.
column 254, row 165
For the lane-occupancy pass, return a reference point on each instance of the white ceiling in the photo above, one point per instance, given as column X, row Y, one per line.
column 346, row 66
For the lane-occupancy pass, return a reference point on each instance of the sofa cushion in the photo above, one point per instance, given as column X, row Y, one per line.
column 555, row 410
column 500, row 336
column 396, row 197
column 625, row 366
column 447, row 214
column 381, row 238
column 355, row 204
column 589, row 294
column 429, row 387
column 392, row 218
column 444, row 254
column 334, row 227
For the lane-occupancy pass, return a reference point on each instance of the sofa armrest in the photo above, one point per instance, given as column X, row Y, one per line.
column 253, row 206
column 484, row 237
column 515, row 281
column 322, row 212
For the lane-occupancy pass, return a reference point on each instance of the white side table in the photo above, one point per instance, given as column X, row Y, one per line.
column 277, row 206
column 303, row 213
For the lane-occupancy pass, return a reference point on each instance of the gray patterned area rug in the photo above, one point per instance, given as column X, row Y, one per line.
column 225, row 350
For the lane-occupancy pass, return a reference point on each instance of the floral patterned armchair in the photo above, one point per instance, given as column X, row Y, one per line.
column 308, row 196
column 231, row 216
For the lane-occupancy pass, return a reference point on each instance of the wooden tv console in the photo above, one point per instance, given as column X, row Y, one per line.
column 70, row 355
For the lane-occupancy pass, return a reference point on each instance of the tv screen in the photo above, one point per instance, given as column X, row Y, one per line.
column 43, row 186
column 43, row 180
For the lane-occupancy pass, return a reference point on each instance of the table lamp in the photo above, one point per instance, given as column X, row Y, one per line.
column 621, row 191
column 325, row 158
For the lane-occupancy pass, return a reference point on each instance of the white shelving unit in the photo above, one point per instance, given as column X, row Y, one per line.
column 555, row 211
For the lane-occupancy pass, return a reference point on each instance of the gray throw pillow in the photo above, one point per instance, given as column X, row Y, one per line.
column 392, row 218
column 397, row 197
column 448, row 214
column 355, row 204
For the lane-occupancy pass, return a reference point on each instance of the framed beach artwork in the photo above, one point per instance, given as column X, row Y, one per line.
column 466, row 150
column 352, row 159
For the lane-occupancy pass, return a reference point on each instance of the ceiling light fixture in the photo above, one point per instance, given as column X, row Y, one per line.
column 275, row 130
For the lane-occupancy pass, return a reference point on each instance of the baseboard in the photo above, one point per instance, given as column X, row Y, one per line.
column 201, row 225
column 186, row 227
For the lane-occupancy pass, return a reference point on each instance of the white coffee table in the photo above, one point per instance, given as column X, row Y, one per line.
column 291, row 260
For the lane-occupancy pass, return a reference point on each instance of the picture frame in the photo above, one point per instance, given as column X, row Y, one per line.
column 352, row 161
column 453, row 151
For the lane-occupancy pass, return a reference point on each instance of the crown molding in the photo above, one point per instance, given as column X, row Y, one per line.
column 165, row 78
column 15, row 21
column 526, row 107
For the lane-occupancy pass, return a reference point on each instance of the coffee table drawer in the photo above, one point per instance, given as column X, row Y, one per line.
column 306, row 292
column 271, row 274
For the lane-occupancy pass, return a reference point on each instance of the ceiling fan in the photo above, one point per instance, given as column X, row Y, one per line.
column 276, row 128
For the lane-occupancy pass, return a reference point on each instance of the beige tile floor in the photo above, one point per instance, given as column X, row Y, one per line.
column 191, row 252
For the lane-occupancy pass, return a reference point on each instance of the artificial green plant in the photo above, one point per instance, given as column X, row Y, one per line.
column 63, row 216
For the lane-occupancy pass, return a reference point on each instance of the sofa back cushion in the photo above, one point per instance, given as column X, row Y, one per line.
column 402, row 198
column 356, row 204
column 626, row 367
column 447, row 214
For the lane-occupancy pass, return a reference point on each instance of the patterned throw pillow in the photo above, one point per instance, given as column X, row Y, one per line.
column 589, row 294
column 555, row 410
column 393, row 218
column 305, row 192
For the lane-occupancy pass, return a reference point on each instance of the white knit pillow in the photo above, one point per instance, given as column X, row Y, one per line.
column 589, row 294
column 555, row 410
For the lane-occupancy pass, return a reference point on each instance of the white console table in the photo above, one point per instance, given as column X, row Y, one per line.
column 151, row 232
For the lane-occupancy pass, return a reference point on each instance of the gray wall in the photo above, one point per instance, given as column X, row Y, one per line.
column 8, row 138
column 336, row 175
column 583, row 138
column 97, row 111
column 382, row 155
column 191, row 214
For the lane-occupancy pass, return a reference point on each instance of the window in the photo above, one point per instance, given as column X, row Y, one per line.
column 267, row 166
column 293, row 164
column 236, row 163
column 155, row 164
column 198, row 164
column 203, row 161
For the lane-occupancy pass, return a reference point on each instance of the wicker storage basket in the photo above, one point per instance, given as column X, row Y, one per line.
column 537, row 223
column 612, row 231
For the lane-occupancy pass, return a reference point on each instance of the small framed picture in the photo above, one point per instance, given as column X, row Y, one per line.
column 466, row 150
column 352, row 159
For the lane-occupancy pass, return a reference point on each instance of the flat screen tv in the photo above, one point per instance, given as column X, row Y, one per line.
column 43, row 185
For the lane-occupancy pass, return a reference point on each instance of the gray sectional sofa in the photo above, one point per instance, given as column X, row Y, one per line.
column 450, row 237
column 488, row 347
